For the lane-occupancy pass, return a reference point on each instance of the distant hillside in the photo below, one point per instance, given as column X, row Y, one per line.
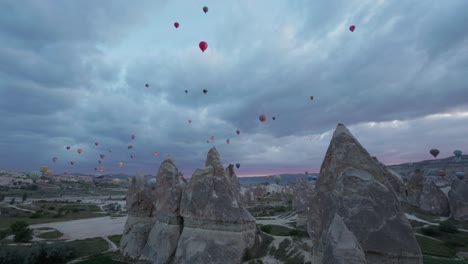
column 450, row 165
column 285, row 179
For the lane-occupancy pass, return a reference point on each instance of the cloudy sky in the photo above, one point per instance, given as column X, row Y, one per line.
column 74, row 72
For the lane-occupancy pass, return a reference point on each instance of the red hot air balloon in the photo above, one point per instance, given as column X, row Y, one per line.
column 147, row 85
column 203, row 46
column 262, row 118
column 190, row 121
column 205, row 9
column 130, row 146
column 131, row 156
column 110, row 150
column 205, row 91
column 96, row 143
column 238, row 132
column 80, row 151
column 212, row 138
column 68, row 147
column 72, row 162
column 133, row 136
column 155, row 153
column 352, row 28
column 176, row 25
column 100, row 161
column 120, row 164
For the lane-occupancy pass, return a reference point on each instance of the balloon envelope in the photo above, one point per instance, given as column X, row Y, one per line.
column 205, row 9
column 434, row 152
column 457, row 153
column 237, row 165
column 262, row 118
column 203, row 46
column 460, row 174
column 176, row 25
column 352, row 28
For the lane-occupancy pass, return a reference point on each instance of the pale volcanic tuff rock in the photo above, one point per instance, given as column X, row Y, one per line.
column 217, row 228
column 424, row 194
column 303, row 195
column 141, row 217
column 164, row 235
column 458, row 197
column 355, row 187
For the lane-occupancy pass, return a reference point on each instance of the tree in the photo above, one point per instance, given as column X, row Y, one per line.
column 25, row 196
column 12, row 201
column 21, row 231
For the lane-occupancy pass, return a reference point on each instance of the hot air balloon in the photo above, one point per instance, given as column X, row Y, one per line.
column 237, row 165
column 306, row 172
column 95, row 169
column 205, row 9
column 68, row 147
column 203, row 46
column 434, row 152
column 133, row 137
column 152, row 182
column 72, row 162
column 186, row 91
column 457, row 153
column 212, row 137
column 110, row 150
column 277, row 179
column 311, row 98
column 207, row 142
column 238, row 132
column 130, row 146
column 54, row 159
column 274, row 118
column 99, row 161
column 190, row 121
column 131, row 156
column 102, row 168
column 102, row 156
column 115, row 181
column 80, row 151
column 96, row 143
column 228, row 141
column 147, row 85
column 460, row 174
column 262, row 118
column 155, row 153
column 352, row 28
column 49, row 173
column 120, row 164
column 205, row 91
column 176, row 25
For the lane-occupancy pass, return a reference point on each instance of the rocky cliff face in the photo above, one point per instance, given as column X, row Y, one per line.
column 458, row 197
column 355, row 187
column 141, row 217
column 303, row 194
column 424, row 194
column 164, row 236
column 217, row 227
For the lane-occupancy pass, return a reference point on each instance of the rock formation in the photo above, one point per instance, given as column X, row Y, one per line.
column 424, row 194
column 458, row 197
column 342, row 246
column 164, row 236
column 141, row 217
column 217, row 228
column 303, row 194
column 354, row 186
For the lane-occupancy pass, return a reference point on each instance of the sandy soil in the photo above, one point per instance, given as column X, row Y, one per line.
column 87, row 228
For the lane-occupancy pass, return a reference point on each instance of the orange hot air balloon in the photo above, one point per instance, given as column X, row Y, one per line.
column 203, row 46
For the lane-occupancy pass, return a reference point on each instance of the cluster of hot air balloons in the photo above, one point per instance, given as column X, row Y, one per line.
column 435, row 152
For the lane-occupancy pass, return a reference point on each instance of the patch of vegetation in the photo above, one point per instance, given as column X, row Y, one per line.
column 434, row 247
column 276, row 230
column 37, row 254
column 101, row 259
column 22, row 233
column 433, row 260
column 448, row 227
column 430, row 231
column 116, row 239
column 89, row 246
column 55, row 234
column 4, row 233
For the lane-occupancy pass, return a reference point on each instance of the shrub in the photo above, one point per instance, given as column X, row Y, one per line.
column 428, row 231
column 266, row 228
column 21, row 231
column 447, row 227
